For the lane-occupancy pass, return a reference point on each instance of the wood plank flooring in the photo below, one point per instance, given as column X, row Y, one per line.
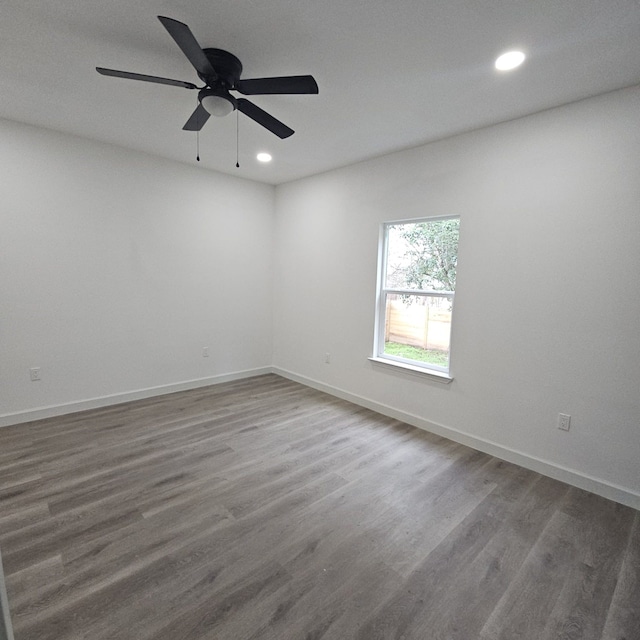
column 264, row 510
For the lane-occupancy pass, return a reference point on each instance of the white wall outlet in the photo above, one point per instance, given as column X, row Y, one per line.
column 34, row 373
column 564, row 421
column 205, row 352
column 327, row 358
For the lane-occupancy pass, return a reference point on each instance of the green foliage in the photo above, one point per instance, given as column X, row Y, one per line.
column 431, row 256
column 431, row 356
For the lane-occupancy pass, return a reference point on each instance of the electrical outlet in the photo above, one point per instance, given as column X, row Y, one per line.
column 564, row 421
column 327, row 358
column 205, row 352
column 34, row 372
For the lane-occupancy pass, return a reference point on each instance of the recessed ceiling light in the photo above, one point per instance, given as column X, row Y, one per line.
column 264, row 157
column 510, row 60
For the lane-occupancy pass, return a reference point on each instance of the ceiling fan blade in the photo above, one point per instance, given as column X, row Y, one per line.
column 197, row 119
column 181, row 33
column 286, row 84
column 145, row 78
column 262, row 117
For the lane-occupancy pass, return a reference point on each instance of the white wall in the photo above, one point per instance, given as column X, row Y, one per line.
column 116, row 268
column 547, row 315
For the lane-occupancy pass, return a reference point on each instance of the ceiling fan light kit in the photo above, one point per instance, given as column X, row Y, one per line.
column 216, row 103
column 221, row 71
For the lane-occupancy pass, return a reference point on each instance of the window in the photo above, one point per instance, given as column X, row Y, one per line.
column 416, row 290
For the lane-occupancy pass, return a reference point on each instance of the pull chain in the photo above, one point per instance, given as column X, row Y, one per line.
column 237, row 137
column 198, row 134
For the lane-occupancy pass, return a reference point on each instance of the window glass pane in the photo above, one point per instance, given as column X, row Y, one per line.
column 418, row 327
column 422, row 255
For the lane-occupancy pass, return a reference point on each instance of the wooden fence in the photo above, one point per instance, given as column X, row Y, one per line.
column 420, row 325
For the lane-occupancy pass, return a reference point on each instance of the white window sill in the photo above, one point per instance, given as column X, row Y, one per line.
column 439, row 376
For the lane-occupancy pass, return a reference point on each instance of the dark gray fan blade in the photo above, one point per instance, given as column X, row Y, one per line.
column 197, row 119
column 263, row 118
column 181, row 33
column 286, row 84
column 145, row 78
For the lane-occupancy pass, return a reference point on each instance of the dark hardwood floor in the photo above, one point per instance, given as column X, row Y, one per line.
column 265, row 510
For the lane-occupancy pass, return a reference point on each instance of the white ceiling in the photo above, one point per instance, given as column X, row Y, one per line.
column 392, row 75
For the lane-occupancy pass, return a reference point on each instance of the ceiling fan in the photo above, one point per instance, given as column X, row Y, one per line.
column 220, row 71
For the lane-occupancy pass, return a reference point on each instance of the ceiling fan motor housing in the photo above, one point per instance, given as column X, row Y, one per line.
column 226, row 65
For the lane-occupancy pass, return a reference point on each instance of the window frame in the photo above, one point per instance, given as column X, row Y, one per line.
column 379, row 356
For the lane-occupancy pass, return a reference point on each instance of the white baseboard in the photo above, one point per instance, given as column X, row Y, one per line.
column 52, row 411
column 550, row 469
